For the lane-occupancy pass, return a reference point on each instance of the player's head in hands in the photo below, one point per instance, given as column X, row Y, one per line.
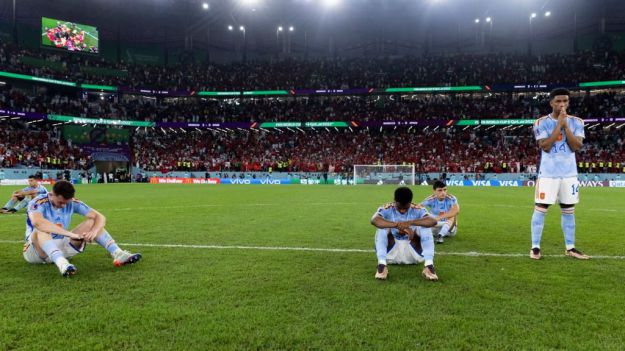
column 62, row 193
column 403, row 199
column 559, row 100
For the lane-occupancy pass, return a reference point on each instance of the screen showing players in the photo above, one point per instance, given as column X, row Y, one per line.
column 70, row 36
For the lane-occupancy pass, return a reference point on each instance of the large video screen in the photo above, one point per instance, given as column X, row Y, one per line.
column 69, row 36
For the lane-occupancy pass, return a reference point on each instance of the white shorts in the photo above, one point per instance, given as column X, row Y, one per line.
column 65, row 245
column 563, row 190
column 403, row 253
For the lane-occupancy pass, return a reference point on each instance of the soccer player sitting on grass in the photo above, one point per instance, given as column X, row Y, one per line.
column 404, row 235
column 47, row 239
column 19, row 199
column 445, row 207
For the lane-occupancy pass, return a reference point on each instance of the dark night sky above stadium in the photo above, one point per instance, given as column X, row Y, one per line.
column 167, row 21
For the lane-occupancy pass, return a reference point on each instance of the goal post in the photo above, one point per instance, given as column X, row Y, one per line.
column 384, row 174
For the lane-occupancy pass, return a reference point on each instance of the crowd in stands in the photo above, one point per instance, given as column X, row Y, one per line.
column 470, row 150
column 443, row 150
column 340, row 73
column 22, row 146
column 341, row 108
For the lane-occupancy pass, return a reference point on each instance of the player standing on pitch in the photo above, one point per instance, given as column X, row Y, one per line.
column 559, row 137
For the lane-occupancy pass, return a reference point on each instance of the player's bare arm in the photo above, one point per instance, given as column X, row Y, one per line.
column 546, row 144
column 43, row 225
column 426, row 222
column 575, row 142
column 382, row 223
column 98, row 224
column 453, row 212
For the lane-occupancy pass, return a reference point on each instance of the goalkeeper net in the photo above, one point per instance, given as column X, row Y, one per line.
column 384, row 174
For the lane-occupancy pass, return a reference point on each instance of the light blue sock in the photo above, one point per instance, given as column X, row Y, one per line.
column 427, row 245
column 21, row 204
column 53, row 252
column 106, row 241
column 444, row 230
column 538, row 223
column 568, row 227
column 381, row 245
column 9, row 204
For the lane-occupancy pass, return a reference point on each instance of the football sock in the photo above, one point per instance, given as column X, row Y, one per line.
column 538, row 223
column 106, row 241
column 9, row 204
column 444, row 230
column 21, row 204
column 381, row 245
column 427, row 245
column 568, row 226
column 53, row 252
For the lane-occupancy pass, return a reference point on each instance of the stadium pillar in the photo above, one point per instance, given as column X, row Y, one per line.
column 575, row 47
column 14, row 24
column 208, row 44
column 306, row 44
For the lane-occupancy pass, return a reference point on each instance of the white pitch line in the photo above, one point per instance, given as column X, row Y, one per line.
column 319, row 249
column 230, row 205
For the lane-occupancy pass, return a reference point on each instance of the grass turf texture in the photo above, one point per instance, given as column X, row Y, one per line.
column 255, row 299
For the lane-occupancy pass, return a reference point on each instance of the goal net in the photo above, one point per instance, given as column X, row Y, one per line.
column 384, row 174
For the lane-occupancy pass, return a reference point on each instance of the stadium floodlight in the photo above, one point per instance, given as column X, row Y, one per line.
column 331, row 3
column 488, row 19
column 205, row 6
column 242, row 29
column 280, row 29
column 230, row 28
column 548, row 13
column 291, row 28
column 533, row 15
column 250, row 3
column 477, row 20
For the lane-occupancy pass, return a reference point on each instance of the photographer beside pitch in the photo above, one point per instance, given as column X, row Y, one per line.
column 404, row 235
column 47, row 239
column 559, row 136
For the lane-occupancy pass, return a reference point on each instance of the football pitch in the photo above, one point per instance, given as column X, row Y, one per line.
column 291, row 268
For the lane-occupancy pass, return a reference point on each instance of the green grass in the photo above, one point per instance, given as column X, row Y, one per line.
column 237, row 299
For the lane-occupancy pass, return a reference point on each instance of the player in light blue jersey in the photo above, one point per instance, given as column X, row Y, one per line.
column 445, row 208
column 559, row 137
column 403, row 235
column 47, row 239
column 19, row 199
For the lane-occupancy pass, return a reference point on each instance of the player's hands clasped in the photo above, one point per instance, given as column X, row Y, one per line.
column 562, row 118
column 402, row 226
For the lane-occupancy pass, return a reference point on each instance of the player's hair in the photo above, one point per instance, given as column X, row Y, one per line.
column 438, row 184
column 65, row 189
column 32, row 177
column 558, row 91
column 403, row 195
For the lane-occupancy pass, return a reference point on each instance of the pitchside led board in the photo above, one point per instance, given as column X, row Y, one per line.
column 70, row 36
